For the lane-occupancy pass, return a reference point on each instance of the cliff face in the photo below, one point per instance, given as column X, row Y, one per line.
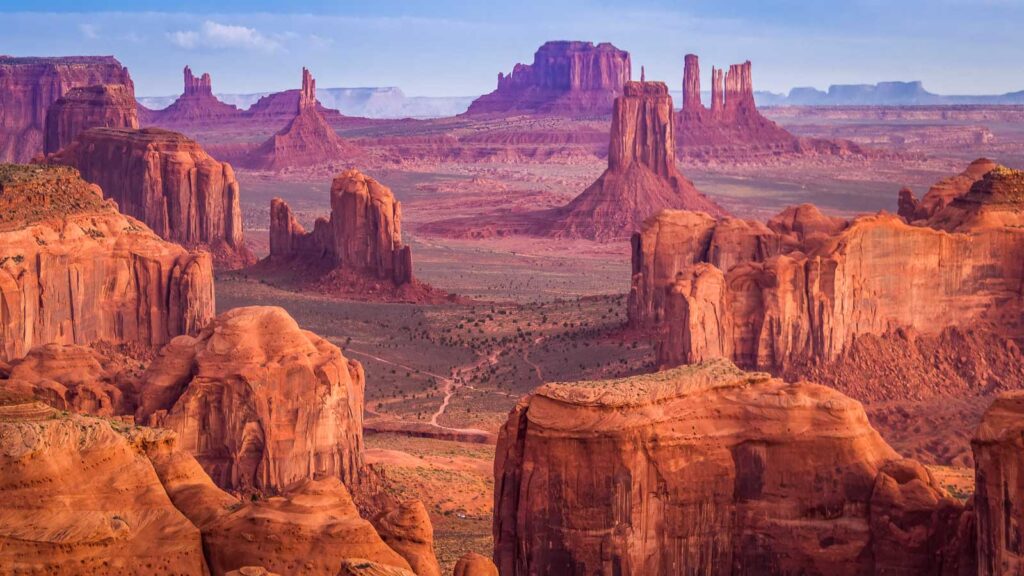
column 999, row 486
column 710, row 470
column 364, row 233
column 566, row 78
column 169, row 182
column 106, row 105
column 260, row 403
column 641, row 178
column 28, row 86
column 76, row 271
column 196, row 104
column 307, row 139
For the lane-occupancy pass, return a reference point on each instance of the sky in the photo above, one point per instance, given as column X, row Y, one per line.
column 457, row 47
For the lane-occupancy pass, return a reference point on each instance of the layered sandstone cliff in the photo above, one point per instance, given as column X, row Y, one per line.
column 709, row 470
column 169, row 182
column 260, row 403
column 999, row 486
column 76, row 271
column 566, row 78
column 642, row 177
column 363, row 233
column 105, row 105
column 28, row 86
column 196, row 104
column 307, row 140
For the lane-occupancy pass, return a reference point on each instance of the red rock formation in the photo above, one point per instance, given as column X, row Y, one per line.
column 76, row 271
column 363, row 234
column 196, row 104
column 363, row 567
column 999, row 486
column 473, row 564
column 641, row 178
column 76, row 498
column 407, row 530
column 169, row 182
column 943, row 192
column 28, row 86
column 260, row 403
column 307, row 139
column 566, row 78
column 710, row 470
column 106, row 105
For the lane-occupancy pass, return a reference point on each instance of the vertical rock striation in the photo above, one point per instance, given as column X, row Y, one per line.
column 999, row 486
column 105, row 106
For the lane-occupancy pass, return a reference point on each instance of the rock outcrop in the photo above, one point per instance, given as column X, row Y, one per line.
column 709, row 470
column 942, row 193
column 77, row 498
column 473, row 564
column 406, row 528
column 363, row 233
column 307, row 140
column 105, row 105
column 169, row 182
column 566, row 78
column 260, row 403
column 29, row 85
column 76, row 271
column 641, row 178
column 196, row 104
column 999, row 486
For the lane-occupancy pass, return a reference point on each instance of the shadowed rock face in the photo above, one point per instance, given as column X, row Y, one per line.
column 106, row 106
column 28, row 86
column 260, row 403
column 641, row 178
column 76, row 271
column 363, row 234
column 566, row 78
column 169, row 182
column 999, row 486
column 710, row 470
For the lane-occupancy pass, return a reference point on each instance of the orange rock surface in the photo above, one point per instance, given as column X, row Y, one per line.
column 105, row 105
column 473, row 564
column 406, row 528
column 260, row 403
column 710, row 470
column 76, row 271
column 169, row 182
column 999, row 486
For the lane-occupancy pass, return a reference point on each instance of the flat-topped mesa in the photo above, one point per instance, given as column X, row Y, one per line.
column 105, row 105
column 363, row 233
column 169, row 182
column 642, row 177
column 710, row 470
column 196, row 104
column 28, row 86
column 307, row 140
column 76, row 271
column 566, row 78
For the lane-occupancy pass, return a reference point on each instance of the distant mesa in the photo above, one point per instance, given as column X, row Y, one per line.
column 29, row 85
column 169, row 182
column 642, row 177
column 102, row 106
column 566, row 78
column 307, row 140
column 196, row 104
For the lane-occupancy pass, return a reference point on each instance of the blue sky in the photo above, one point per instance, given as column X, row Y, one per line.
column 457, row 47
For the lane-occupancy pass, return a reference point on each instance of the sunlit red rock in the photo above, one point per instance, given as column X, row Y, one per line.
column 406, row 528
column 169, row 182
column 999, row 486
column 473, row 564
column 29, row 85
column 566, row 78
column 105, row 106
column 76, row 271
column 942, row 193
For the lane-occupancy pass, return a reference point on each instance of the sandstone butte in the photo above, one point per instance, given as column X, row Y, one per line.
column 76, row 271
column 169, row 182
column 566, row 78
column 642, row 177
column 307, row 140
column 260, row 403
column 706, row 469
column 28, row 86
column 105, row 105
column 196, row 104
column 357, row 251
column 942, row 192
column 733, row 126
column 130, row 502
column 797, row 294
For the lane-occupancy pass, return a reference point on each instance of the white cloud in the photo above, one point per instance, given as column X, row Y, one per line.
column 89, row 31
column 223, row 36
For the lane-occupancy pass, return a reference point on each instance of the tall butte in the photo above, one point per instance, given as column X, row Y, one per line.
column 307, row 140
column 642, row 177
column 196, row 104
column 103, row 105
column 566, row 78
